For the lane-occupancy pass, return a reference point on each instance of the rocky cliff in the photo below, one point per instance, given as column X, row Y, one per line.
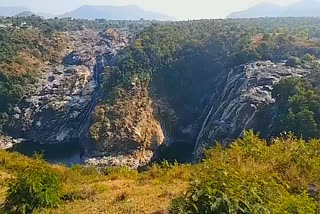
column 69, row 103
column 66, row 92
column 126, row 133
column 67, row 106
column 239, row 105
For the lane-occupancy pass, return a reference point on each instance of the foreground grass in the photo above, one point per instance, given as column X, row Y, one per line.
column 115, row 190
column 251, row 176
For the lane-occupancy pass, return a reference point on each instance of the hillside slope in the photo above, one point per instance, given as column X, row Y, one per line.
column 172, row 188
column 259, row 10
column 24, row 14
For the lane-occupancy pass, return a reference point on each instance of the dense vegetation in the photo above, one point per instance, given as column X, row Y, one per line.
column 181, row 62
column 35, row 187
column 252, row 177
column 299, row 108
column 249, row 177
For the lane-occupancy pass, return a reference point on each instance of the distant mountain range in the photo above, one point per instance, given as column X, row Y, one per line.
column 303, row 8
column 11, row 11
column 108, row 12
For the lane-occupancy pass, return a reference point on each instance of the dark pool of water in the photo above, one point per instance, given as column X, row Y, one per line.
column 180, row 151
column 67, row 154
column 70, row 153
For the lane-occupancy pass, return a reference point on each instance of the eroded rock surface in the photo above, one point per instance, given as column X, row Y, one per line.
column 247, row 90
column 61, row 107
column 127, row 132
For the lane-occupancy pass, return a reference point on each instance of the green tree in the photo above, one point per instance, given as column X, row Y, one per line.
column 306, row 124
column 298, row 107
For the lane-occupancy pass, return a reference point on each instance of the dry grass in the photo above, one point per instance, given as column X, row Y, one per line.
column 124, row 196
column 119, row 191
column 3, row 177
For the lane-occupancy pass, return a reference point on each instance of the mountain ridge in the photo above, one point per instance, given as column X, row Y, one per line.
column 91, row 12
column 24, row 14
column 110, row 12
column 303, row 8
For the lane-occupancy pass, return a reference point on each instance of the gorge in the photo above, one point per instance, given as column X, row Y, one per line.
column 129, row 96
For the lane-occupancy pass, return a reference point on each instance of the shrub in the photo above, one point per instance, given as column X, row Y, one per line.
column 36, row 187
column 293, row 61
column 252, row 177
column 308, row 57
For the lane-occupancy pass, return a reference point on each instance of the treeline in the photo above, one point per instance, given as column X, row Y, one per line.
column 49, row 26
column 226, row 43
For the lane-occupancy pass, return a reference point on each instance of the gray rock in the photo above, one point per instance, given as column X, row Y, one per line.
column 60, row 109
column 7, row 142
column 247, row 89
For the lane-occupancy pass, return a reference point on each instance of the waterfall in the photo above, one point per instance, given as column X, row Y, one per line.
column 201, row 130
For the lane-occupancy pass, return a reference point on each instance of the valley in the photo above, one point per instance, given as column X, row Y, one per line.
column 119, row 115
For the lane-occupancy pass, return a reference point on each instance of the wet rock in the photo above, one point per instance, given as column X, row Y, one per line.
column 60, row 109
column 119, row 160
column 247, row 90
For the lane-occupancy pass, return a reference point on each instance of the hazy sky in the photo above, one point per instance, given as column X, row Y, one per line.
column 181, row 9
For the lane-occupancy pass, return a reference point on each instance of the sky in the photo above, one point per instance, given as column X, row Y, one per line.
column 180, row 9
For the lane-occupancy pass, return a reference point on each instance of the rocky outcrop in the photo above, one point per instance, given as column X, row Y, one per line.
column 247, row 90
column 66, row 94
column 7, row 142
column 55, row 113
column 67, row 103
column 126, row 133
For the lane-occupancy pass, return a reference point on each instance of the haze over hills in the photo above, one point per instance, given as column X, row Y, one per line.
column 24, row 14
column 11, row 11
column 109, row 12
column 303, row 8
column 264, row 9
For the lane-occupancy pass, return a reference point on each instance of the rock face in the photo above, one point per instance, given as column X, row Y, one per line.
column 128, row 134
column 67, row 103
column 247, row 90
column 56, row 112
column 8, row 142
column 61, row 108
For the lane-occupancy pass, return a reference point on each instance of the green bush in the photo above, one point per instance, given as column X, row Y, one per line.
column 252, row 177
column 36, row 187
column 293, row 61
column 308, row 57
